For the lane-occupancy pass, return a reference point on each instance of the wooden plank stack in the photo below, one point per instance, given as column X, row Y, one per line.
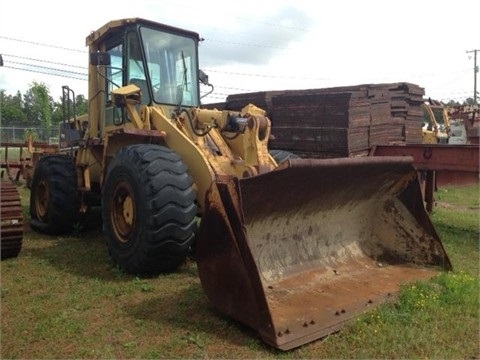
column 340, row 121
column 321, row 123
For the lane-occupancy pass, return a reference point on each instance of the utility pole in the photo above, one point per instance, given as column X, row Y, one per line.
column 475, row 71
column 1, row 64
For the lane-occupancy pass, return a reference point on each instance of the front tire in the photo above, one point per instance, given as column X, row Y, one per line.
column 54, row 200
column 148, row 209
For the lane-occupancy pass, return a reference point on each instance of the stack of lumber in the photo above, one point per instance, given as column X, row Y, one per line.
column 340, row 121
column 406, row 101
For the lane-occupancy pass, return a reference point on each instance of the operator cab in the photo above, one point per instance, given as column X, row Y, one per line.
column 163, row 65
column 159, row 59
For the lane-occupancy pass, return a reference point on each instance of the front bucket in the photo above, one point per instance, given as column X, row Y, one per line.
column 297, row 252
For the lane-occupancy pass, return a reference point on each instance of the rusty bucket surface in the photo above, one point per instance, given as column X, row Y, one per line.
column 297, row 252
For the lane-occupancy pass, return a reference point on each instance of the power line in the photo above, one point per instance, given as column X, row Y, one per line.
column 43, row 72
column 264, row 75
column 48, row 68
column 46, row 61
column 41, row 44
column 232, row 16
column 247, row 44
column 462, row 72
column 77, row 75
column 209, row 70
column 83, row 51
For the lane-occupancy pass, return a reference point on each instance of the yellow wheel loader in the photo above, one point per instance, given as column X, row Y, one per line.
column 293, row 249
column 435, row 123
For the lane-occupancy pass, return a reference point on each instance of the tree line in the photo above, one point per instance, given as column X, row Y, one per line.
column 36, row 108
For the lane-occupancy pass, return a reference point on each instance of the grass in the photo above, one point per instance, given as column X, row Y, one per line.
column 13, row 152
column 63, row 298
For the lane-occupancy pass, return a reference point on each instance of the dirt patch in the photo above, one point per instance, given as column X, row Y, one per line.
column 446, row 205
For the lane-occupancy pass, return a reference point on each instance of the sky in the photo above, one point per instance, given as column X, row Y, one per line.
column 260, row 45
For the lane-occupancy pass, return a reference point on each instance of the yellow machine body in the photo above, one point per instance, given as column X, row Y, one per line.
column 436, row 123
column 293, row 250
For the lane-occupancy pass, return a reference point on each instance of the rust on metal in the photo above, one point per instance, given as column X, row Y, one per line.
column 437, row 157
column 11, row 221
column 26, row 154
column 438, row 164
column 298, row 252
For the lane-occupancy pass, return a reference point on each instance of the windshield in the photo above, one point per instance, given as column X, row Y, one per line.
column 171, row 66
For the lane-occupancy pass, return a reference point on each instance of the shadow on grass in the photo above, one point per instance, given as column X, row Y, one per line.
column 191, row 314
column 84, row 253
column 186, row 309
column 85, row 256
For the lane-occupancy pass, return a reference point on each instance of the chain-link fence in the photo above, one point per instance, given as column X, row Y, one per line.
column 20, row 134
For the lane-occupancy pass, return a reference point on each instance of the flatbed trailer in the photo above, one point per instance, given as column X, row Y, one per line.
column 437, row 164
column 17, row 157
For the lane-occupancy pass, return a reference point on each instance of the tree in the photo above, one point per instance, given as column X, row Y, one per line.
column 469, row 101
column 82, row 105
column 11, row 110
column 81, row 108
column 38, row 105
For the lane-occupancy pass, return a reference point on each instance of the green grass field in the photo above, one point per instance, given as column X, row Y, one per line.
column 63, row 298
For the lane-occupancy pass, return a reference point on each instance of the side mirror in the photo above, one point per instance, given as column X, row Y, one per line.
column 100, row 58
column 203, row 77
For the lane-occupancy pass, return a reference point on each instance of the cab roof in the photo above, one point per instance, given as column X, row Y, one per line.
column 116, row 25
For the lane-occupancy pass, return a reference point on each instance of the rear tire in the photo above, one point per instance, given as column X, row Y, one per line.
column 148, row 209
column 54, row 197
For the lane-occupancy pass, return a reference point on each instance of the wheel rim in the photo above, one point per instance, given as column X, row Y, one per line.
column 123, row 211
column 42, row 197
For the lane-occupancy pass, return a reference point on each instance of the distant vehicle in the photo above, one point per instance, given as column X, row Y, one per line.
column 458, row 133
column 435, row 123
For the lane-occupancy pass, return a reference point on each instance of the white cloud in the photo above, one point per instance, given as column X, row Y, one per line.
column 262, row 45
